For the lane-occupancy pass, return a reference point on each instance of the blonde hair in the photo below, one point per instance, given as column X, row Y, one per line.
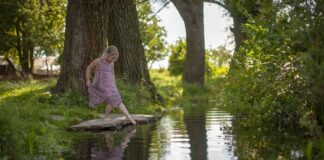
column 110, row 50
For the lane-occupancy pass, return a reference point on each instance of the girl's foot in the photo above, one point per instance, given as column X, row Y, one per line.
column 133, row 122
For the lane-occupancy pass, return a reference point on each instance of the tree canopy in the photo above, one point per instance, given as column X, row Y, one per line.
column 26, row 26
column 152, row 34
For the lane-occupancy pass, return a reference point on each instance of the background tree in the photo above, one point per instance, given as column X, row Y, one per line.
column 177, row 57
column 30, row 24
column 152, row 34
column 216, row 61
column 192, row 13
column 215, row 58
column 240, row 11
column 219, row 56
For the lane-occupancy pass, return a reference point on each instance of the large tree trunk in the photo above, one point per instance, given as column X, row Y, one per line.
column 85, row 38
column 124, row 33
column 192, row 13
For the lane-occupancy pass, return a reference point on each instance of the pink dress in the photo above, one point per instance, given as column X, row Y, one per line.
column 103, row 88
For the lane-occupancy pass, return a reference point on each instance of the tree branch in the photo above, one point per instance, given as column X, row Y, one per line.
column 143, row 1
column 164, row 5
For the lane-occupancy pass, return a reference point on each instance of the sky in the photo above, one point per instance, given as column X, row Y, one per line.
column 217, row 25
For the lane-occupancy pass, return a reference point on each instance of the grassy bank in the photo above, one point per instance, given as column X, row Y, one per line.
column 31, row 118
column 33, row 121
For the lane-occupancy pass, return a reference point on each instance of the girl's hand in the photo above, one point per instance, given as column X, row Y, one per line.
column 88, row 83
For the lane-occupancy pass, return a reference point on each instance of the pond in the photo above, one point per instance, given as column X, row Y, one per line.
column 196, row 133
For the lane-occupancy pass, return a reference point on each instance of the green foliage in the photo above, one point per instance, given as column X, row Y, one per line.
column 152, row 34
column 50, row 27
column 9, row 142
column 216, row 59
column 315, row 149
column 177, row 57
column 26, row 123
column 307, row 37
column 274, row 82
column 35, row 26
column 178, row 95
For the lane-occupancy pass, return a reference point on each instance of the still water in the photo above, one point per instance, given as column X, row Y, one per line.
column 193, row 133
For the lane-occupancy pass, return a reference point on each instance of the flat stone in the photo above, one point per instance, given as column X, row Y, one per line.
column 57, row 117
column 117, row 121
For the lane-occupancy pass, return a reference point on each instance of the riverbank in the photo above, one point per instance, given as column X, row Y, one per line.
column 32, row 120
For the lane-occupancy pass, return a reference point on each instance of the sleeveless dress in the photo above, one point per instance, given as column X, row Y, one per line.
column 103, row 87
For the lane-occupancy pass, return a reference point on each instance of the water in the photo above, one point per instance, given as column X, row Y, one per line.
column 194, row 133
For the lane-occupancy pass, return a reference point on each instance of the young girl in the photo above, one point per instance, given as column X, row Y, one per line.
column 103, row 87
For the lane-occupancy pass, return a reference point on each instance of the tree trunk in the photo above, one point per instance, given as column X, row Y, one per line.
column 239, row 37
column 240, row 18
column 25, row 51
column 192, row 13
column 124, row 33
column 85, row 38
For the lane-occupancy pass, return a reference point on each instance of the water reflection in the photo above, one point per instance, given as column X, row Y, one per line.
column 197, row 133
column 205, row 128
column 195, row 121
column 193, row 134
column 99, row 146
column 113, row 152
column 220, row 141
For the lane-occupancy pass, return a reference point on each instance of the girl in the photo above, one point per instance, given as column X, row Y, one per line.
column 103, row 87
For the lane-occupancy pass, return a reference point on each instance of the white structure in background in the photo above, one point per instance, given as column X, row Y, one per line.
column 46, row 65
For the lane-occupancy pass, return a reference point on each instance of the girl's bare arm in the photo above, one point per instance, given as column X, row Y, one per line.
column 90, row 67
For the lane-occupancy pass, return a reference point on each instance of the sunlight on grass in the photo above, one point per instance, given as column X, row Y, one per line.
column 13, row 89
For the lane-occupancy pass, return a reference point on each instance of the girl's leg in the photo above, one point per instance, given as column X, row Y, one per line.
column 107, row 112
column 125, row 112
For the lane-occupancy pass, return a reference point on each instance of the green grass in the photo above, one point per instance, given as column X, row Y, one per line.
column 26, row 127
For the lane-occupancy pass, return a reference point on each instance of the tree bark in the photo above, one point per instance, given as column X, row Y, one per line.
column 192, row 13
column 25, row 50
column 85, row 39
column 124, row 33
